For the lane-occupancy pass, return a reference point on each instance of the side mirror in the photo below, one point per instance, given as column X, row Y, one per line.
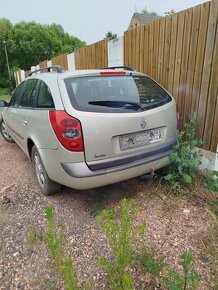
column 3, row 104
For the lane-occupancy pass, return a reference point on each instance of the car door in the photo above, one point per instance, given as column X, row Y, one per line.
column 20, row 116
column 9, row 114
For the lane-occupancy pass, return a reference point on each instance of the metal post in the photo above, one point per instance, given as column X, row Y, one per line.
column 6, row 54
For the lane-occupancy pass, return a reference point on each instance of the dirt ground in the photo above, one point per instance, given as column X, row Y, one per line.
column 173, row 225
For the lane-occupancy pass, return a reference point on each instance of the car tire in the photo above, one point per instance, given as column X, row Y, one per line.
column 4, row 133
column 46, row 185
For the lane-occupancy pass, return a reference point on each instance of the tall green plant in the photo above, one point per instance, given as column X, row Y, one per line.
column 189, row 280
column 119, row 228
column 184, row 157
column 54, row 239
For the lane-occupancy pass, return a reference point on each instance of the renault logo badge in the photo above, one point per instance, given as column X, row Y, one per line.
column 143, row 123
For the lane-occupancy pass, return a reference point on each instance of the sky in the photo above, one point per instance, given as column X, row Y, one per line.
column 88, row 20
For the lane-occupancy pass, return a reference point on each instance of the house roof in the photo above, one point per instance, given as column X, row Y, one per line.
column 143, row 18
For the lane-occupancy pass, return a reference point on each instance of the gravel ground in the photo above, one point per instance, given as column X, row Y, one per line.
column 173, row 225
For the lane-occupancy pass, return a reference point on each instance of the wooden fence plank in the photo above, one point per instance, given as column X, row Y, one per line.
column 172, row 52
column 156, row 32
column 161, row 50
column 167, row 41
column 205, row 9
column 191, row 62
column 184, row 63
column 212, row 102
column 180, row 34
column 211, row 35
column 141, row 48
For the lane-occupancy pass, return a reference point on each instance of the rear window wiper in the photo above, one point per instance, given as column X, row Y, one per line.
column 118, row 104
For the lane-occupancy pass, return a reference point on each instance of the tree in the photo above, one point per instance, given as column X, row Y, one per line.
column 111, row 35
column 146, row 11
column 169, row 12
column 29, row 43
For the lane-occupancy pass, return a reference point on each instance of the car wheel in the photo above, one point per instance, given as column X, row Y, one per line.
column 46, row 185
column 4, row 133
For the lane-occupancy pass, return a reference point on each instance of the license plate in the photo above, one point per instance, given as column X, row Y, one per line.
column 139, row 139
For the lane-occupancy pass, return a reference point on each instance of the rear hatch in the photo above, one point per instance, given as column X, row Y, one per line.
column 121, row 113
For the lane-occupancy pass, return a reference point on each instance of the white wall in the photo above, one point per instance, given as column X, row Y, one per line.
column 115, row 52
column 71, row 61
column 22, row 73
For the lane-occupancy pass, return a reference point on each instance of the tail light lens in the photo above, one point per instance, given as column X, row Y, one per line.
column 68, row 130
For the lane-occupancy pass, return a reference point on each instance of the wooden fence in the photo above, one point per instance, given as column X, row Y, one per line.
column 60, row 60
column 181, row 52
column 92, row 56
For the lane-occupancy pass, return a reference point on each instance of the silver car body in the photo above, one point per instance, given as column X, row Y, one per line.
column 102, row 162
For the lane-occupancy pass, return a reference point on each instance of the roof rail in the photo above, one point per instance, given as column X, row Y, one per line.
column 124, row 67
column 58, row 68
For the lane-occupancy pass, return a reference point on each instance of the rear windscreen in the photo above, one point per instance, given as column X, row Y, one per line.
column 115, row 93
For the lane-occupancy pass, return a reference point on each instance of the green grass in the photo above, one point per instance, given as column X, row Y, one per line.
column 5, row 94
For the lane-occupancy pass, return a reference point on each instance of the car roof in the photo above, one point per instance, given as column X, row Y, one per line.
column 78, row 73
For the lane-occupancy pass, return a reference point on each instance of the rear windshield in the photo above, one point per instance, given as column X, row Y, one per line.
column 115, row 93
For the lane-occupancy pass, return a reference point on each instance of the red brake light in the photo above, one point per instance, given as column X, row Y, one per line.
column 68, row 130
column 113, row 73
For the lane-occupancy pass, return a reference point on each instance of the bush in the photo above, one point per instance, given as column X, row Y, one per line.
column 185, row 159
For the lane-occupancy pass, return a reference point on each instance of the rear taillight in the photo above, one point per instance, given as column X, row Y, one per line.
column 68, row 130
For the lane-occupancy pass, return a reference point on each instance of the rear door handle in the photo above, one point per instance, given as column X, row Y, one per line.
column 24, row 123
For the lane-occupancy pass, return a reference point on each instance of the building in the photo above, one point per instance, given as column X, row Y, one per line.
column 142, row 18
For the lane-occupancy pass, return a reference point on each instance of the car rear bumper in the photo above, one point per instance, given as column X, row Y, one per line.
column 81, row 169
column 79, row 176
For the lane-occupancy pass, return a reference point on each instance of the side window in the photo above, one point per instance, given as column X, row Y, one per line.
column 28, row 95
column 44, row 99
column 17, row 94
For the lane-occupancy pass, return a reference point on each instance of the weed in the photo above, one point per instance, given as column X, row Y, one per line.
column 212, row 237
column 189, row 280
column 69, row 275
column 121, row 232
column 185, row 159
column 212, row 181
column 55, row 240
column 32, row 237
column 214, row 284
column 152, row 264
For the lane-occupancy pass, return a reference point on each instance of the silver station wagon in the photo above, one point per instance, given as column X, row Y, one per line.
column 89, row 128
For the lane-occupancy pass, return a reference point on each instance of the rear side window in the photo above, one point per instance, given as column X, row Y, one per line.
column 115, row 93
column 44, row 99
column 27, row 98
column 17, row 94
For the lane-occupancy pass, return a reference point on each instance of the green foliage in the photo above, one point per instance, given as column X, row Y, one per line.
column 111, row 35
column 215, row 285
column 4, row 91
column 32, row 238
column 189, row 280
column 152, row 264
column 55, row 241
column 29, row 43
column 69, row 275
column 212, row 181
column 185, row 159
column 119, row 228
column 146, row 11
